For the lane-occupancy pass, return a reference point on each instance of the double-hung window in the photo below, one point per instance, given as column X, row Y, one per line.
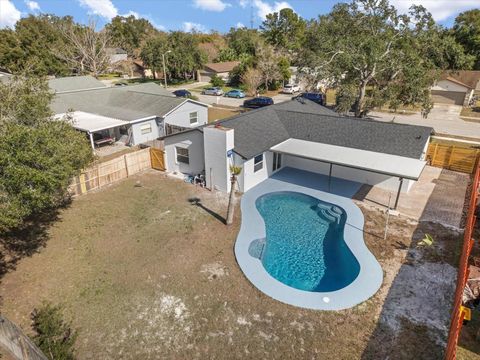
column 146, row 129
column 258, row 163
column 182, row 155
column 193, row 117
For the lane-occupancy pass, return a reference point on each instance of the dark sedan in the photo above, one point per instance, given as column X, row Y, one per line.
column 258, row 102
column 182, row 93
column 319, row 98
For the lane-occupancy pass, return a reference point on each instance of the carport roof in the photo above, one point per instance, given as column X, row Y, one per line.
column 92, row 122
column 387, row 164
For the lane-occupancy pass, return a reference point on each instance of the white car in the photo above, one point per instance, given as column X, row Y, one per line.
column 290, row 89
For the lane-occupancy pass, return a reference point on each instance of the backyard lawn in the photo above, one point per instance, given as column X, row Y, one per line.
column 144, row 273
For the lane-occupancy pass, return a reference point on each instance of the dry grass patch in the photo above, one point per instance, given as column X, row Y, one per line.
column 144, row 274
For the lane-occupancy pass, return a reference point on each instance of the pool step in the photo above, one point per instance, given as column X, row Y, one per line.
column 330, row 213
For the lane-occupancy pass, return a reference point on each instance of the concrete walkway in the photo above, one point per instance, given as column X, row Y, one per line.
column 444, row 119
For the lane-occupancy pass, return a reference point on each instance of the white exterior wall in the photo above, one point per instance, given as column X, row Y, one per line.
column 217, row 142
column 138, row 137
column 362, row 176
column 181, row 115
column 251, row 178
column 193, row 141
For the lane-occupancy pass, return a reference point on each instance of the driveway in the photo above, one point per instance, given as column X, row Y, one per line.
column 221, row 100
column 445, row 119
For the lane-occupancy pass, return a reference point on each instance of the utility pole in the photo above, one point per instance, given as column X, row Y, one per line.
column 164, row 68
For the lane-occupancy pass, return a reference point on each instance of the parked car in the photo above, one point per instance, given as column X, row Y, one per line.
column 213, row 91
column 235, row 93
column 258, row 102
column 319, row 98
column 182, row 93
column 290, row 89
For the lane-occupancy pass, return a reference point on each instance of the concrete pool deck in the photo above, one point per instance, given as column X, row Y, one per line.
column 252, row 227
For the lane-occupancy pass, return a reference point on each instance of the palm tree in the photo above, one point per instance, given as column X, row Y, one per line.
column 235, row 170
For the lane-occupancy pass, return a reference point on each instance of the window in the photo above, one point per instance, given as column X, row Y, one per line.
column 146, row 129
column 182, row 155
column 194, row 117
column 258, row 163
column 277, row 161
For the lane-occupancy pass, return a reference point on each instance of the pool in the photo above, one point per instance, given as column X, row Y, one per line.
column 304, row 247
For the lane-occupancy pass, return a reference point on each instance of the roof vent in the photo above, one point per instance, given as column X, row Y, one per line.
column 418, row 137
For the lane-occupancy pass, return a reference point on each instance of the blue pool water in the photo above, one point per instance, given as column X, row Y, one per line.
column 304, row 246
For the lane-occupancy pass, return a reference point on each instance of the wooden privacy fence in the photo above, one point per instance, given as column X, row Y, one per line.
column 108, row 172
column 18, row 345
column 453, row 157
column 458, row 312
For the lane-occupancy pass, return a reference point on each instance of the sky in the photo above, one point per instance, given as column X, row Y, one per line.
column 203, row 15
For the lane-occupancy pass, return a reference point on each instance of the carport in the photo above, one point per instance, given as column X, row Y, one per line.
column 92, row 123
column 394, row 166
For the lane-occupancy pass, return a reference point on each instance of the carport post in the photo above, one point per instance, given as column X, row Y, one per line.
column 90, row 135
column 400, row 183
column 330, row 177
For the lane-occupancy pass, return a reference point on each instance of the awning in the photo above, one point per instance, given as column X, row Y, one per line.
column 92, row 122
column 393, row 165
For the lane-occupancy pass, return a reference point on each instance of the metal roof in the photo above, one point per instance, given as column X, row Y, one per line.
column 92, row 122
column 387, row 164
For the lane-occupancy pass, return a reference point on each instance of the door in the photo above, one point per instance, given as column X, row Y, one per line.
column 277, row 161
column 448, row 97
column 157, row 158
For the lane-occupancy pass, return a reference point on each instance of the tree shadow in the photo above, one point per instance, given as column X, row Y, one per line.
column 27, row 240
column 198, row 202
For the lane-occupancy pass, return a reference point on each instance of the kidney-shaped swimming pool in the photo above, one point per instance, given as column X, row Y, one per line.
column 306, row 251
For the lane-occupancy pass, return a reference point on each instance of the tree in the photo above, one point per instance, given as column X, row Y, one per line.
column 243, row 40
column 226, row 54
column 284, row 68
column 284, row 30
column 28, row 48
column 130, row 33
column 85, row 49
column 151, row 53
column 467, row 32
column 373, row 55
column 217, row 81
column 252, row 78
column 267, row 63
column 38, row 156
column 235, row 171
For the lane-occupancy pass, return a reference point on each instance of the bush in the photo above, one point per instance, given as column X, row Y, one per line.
column 193, row 97
column 53, row 335
column 217, row 81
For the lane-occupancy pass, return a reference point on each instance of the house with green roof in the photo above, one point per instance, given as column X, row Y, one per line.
column 132, row 114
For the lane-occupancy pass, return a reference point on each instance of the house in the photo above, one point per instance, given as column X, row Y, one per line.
column 456, row 87
column 221, row 69
column 116, row 55
column 302, row 135
column 140, row 69
column 132, row 114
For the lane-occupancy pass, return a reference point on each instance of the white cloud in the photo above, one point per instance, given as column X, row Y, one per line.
column 265, row 8
column 32, row 5
column 440, row 9
column 103, row 8
column 211, row 5
column 9, row 14
column 190, row 26
column 239, row 25
column 244, row 3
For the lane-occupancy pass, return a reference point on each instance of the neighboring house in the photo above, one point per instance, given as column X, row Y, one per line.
column 221, row 69
column 116, row 55
column 456, row 87
column 143, row 71
column 131, row 114
column 301, row 135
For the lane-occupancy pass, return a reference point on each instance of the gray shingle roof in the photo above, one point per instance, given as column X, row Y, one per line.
column 74, row 83
column 125, row 103
column 257, row 131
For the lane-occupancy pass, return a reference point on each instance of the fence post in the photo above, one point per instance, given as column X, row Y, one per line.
column 126, row 163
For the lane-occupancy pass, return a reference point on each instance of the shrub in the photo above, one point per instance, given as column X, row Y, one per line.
column 217, row 81
column 53, row 336
column 193, row 97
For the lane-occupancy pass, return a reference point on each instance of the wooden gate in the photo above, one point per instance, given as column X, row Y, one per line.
column 157, row 157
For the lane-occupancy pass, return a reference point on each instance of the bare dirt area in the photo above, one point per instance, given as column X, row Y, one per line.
column 148, row 272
